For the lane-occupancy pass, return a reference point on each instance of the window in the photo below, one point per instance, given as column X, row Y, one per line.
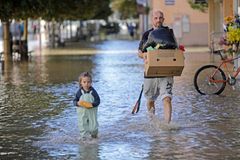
column 200, row 1
column 169, row 2
column 185, row 23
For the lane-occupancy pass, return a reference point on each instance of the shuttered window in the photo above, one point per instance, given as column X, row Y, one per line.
column 169, row 2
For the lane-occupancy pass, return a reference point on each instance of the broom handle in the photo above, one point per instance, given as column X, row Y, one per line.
column 137, row 105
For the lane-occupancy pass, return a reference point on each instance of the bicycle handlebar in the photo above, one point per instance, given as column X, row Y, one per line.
column 222, row 54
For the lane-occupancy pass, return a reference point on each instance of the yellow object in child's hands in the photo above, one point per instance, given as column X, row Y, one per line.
column 85, row 104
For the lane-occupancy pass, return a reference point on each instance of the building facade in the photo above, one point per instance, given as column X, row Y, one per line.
column 191, row 27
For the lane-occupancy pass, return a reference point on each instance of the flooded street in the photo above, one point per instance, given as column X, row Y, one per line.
column 39, row 121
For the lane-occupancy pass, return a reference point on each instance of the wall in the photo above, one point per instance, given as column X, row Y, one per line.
column 190, row 26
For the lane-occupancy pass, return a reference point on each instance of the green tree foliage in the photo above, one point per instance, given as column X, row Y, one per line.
column 77, row 9
column 102, row 9
column 198, row 6
column 126, row 8
column 53, row 9
column 19, row 9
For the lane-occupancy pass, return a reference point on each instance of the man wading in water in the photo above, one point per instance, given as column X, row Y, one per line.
column 154, row 87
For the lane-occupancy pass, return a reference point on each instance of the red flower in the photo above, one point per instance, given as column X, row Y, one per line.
column 181, row 47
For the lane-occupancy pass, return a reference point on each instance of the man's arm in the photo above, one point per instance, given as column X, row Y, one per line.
column 144, row 39
column 140, row 54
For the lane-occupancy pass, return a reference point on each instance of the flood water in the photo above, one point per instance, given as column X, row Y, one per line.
column 39, row 121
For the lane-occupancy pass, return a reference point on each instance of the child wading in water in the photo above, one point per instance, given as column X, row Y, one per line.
column 87, row 101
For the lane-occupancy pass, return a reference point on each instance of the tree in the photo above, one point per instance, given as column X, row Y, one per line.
column 126, row 8
column 201, row 6
column 49, row 10
column 52, row 9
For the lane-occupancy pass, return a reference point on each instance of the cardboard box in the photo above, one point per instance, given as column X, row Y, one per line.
column 165, row 62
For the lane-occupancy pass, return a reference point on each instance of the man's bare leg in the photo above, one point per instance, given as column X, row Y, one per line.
column 151, row 106
column 167, row 109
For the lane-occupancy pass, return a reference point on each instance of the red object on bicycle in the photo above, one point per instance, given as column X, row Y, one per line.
column 182, row 48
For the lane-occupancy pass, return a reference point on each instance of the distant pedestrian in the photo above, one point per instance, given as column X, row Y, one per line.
column 34, row 29
column 131, row 30
column 87, row 101
column 21, row 29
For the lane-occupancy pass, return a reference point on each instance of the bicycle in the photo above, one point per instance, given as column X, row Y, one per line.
column 212, row 79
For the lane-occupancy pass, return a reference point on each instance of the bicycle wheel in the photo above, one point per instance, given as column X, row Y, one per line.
column 202, row 80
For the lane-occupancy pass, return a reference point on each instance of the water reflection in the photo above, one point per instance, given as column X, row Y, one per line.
column 38, row 120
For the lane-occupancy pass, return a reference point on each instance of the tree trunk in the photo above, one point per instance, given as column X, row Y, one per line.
column 53, row 27
column 6, row 42
column 24, row 52
column 40, row 34
column 71, row 30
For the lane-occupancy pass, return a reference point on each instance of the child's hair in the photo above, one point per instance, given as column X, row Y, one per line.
column 84, row 74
